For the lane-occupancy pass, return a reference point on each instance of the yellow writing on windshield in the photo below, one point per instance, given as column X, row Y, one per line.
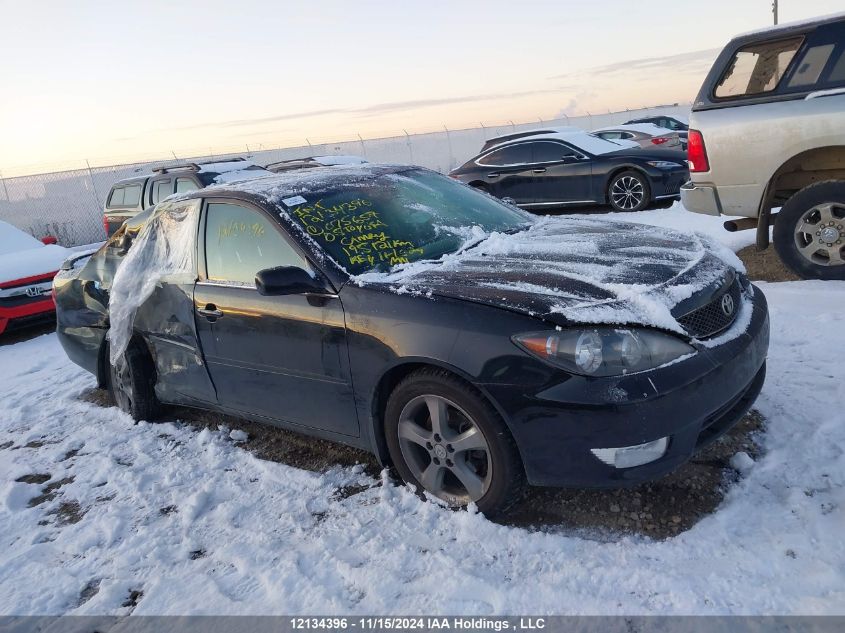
column 359, row 231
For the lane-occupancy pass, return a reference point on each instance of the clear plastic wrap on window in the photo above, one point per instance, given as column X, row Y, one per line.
column 164, row 248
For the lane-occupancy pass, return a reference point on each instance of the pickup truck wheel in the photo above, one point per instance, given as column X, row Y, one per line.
column 132, row 384
column 629, row 191
column 809, row 233
column 446, row 439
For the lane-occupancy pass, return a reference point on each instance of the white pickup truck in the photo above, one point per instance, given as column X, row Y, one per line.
column 767, row 131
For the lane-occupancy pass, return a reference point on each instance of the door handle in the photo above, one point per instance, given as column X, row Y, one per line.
column 210, row 312
column 541, row 170
column 495, row 174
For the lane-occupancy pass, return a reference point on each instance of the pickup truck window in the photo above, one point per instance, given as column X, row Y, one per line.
column 128, row 196
column 184, row 185
column 810, row 66
column 757, row 69
column 161, row 190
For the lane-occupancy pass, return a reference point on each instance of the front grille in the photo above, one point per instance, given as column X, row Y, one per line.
column 711, row 319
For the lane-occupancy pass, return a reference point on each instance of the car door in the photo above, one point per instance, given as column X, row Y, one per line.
column 508, row 172
column 561, row 173
column 280, row 357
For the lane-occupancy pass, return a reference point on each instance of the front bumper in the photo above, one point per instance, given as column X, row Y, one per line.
column 692, row 402
column 29, row 313
column 701, row 198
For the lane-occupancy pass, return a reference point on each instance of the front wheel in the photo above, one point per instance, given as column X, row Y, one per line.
column 629, row 191
column 445, row 439
column 809, row 233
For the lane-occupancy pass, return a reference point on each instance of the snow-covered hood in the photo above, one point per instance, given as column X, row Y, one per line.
column 31, row 262
column 576, row 269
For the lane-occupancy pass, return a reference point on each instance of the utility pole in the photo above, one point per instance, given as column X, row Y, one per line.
column 775, row 10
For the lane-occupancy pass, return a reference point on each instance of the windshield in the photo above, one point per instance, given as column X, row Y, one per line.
column 400, row 218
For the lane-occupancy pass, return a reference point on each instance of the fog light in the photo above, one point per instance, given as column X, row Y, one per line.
column 630, row 456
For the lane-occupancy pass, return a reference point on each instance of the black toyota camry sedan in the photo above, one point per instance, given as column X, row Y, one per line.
column 552, row 168
column 469, row 344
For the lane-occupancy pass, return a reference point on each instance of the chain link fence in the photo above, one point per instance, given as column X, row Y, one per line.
column 69, row 204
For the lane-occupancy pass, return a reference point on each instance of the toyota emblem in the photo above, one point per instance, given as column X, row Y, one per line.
column 727, row 305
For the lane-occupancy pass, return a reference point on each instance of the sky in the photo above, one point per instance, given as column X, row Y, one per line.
column 121, row 81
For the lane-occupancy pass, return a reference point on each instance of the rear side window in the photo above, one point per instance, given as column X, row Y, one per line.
column 810, row 66
column 161, row 190
column 184, row 185
column 126, row 196
column 757, row 69
column 513, row 155
column 131, row 195
column 116, row 197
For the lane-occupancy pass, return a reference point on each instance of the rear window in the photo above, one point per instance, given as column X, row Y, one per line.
column 757, row 69
column 128, row 196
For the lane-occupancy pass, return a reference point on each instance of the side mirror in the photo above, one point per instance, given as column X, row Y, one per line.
column 286, row 280
column 49, row 239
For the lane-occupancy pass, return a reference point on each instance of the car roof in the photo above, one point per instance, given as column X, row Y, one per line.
column 643, row 128
column 498, row 140
column 584, row 141
column 788, row 28
column 275, row 188
column 315, row 161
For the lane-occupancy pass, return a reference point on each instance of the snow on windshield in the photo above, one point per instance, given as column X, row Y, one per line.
column 163, row 250
column 12, row 239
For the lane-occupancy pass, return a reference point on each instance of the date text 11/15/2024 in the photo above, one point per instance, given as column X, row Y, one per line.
column 421, row 623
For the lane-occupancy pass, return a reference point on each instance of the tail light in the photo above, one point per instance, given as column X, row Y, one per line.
column 659, row 140
column 106, row 226
column 696, row 152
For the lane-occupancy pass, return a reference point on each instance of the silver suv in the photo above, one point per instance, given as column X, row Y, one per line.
column 767, row 131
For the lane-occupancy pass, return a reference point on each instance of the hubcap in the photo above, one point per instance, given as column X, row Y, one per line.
column 627, row 192
column 444, row 449
column 820, row 233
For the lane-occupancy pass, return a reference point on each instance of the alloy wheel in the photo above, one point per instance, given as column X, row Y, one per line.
column 445, row 449
column 820, row 234
column 627, row 192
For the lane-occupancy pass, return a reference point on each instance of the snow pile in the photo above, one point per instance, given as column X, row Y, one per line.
column 198, row 525
column 162, row 251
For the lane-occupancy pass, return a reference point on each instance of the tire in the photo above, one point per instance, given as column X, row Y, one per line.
column 471, row 421
column 809, row 233
column 132, row 384
column 629, row 188
column 481, row 186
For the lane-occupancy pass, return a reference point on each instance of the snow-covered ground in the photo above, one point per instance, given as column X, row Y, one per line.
column 162, row 518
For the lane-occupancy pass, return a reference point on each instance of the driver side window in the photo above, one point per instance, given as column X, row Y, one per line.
column 240, row 241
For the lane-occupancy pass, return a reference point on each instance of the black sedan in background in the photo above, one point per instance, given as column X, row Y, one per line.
column 458, row 338
column 557, row 168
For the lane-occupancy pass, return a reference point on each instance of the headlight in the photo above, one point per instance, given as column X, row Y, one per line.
column 604, row 351
column 664, row 164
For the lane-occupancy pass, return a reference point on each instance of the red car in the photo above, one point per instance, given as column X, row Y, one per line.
column 27, row 268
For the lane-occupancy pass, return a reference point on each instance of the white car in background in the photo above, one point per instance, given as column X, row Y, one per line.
column 645, row 134
column 27, row 268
